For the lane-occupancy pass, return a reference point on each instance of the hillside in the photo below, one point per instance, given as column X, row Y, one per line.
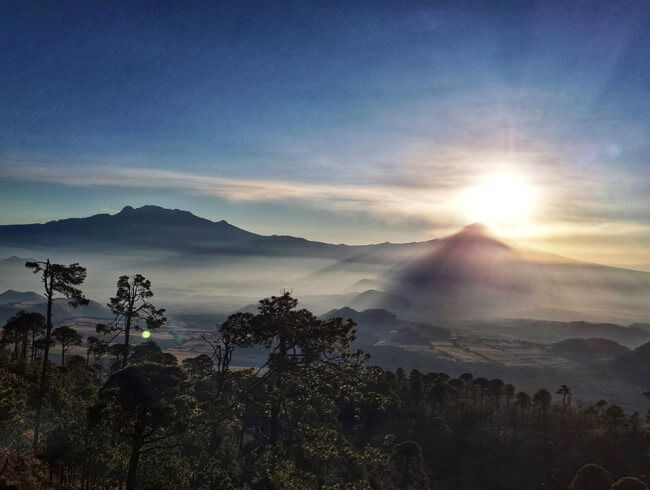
column 382, row 326
column 474, row 275
column 589, row 349
column 635, row 365
column 153, row 227
column 11, row 302
column 555, row 331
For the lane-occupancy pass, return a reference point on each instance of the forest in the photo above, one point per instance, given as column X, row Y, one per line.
column 317, row 414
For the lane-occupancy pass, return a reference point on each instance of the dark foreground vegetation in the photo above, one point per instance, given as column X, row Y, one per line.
column 316, row 415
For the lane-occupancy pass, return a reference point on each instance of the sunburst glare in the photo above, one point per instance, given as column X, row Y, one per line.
column 504, row 201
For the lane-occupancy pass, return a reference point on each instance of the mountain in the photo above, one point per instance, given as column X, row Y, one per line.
column 371, row 316
column 193, row 261
column 142, row 227
column 20, row 297
column 464, row 274
column 589, row 349
column 382, row 326
column 367, row 284
column 11, row 302
column 472, row 274
column 373, row 299
column 13, row 262
column 546, row 331
column 153, row 227
column 471, row 256
column 12, row 266
column 635, row 365
column 92, row 310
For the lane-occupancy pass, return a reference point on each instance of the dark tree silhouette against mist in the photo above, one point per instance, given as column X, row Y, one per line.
column 22, row 329
column 542, row 400
column 66, row 337
column 37, row 326
column 145, row 404
column 234, row 332
column 95, row 347
column 56, row 279
column 149, row 351
column 12, row 334
column 565, row 392
column 297, row 340
column 132, row 311
column 199, row 366
column 522, row 401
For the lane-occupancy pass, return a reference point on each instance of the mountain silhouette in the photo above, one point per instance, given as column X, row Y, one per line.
column 473, row 274
column 20, row 297
column 144, row 227
column 471, row 256
column 635, row 365
column 153, row 227
column 468, row 274
column 589, row 349
column 11, row 302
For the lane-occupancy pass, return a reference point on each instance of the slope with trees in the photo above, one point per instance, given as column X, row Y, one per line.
column 316, row 414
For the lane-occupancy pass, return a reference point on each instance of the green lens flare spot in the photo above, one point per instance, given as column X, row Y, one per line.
column 146, row 334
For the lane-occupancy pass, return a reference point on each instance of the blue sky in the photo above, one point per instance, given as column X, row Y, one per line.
column 346, row 122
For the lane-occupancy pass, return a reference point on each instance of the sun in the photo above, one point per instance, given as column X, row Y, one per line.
column 500, row 200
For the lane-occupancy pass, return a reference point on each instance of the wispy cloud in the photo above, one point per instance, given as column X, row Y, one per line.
column 384, row 200
column 574, row 208
column 431, row 199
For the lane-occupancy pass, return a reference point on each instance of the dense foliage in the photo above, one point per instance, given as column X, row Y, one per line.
column 316, row 415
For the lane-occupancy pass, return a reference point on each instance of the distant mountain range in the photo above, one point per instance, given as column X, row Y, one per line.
column 546, row 331
column 635, row 364
column 467, row 275
column 11, row 302
column 589, row 349
column 153, row 227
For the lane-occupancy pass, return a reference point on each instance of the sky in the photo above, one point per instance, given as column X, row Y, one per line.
column 346, row 122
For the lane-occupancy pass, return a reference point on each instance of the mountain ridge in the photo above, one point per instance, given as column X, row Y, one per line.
column 470, row 274
column 128, row 216
column 155, row 226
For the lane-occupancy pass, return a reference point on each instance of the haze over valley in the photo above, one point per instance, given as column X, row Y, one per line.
column 206, row 266
column 466, row 301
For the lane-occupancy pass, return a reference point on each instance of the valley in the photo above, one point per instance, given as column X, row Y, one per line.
column 468, row 302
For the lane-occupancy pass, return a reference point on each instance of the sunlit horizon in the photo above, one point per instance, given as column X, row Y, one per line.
column 395, row 129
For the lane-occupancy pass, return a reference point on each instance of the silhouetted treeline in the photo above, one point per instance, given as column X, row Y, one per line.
column 316, row 415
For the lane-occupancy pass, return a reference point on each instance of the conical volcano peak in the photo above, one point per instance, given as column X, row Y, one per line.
column 475, row 235
column 476, row 229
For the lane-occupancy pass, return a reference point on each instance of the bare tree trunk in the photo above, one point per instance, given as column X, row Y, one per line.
column 23, row 354
column 274, row 429
column 131, row 478
column 33, row 351
column 136, row 445
column 41, row 389
column 127, row 334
